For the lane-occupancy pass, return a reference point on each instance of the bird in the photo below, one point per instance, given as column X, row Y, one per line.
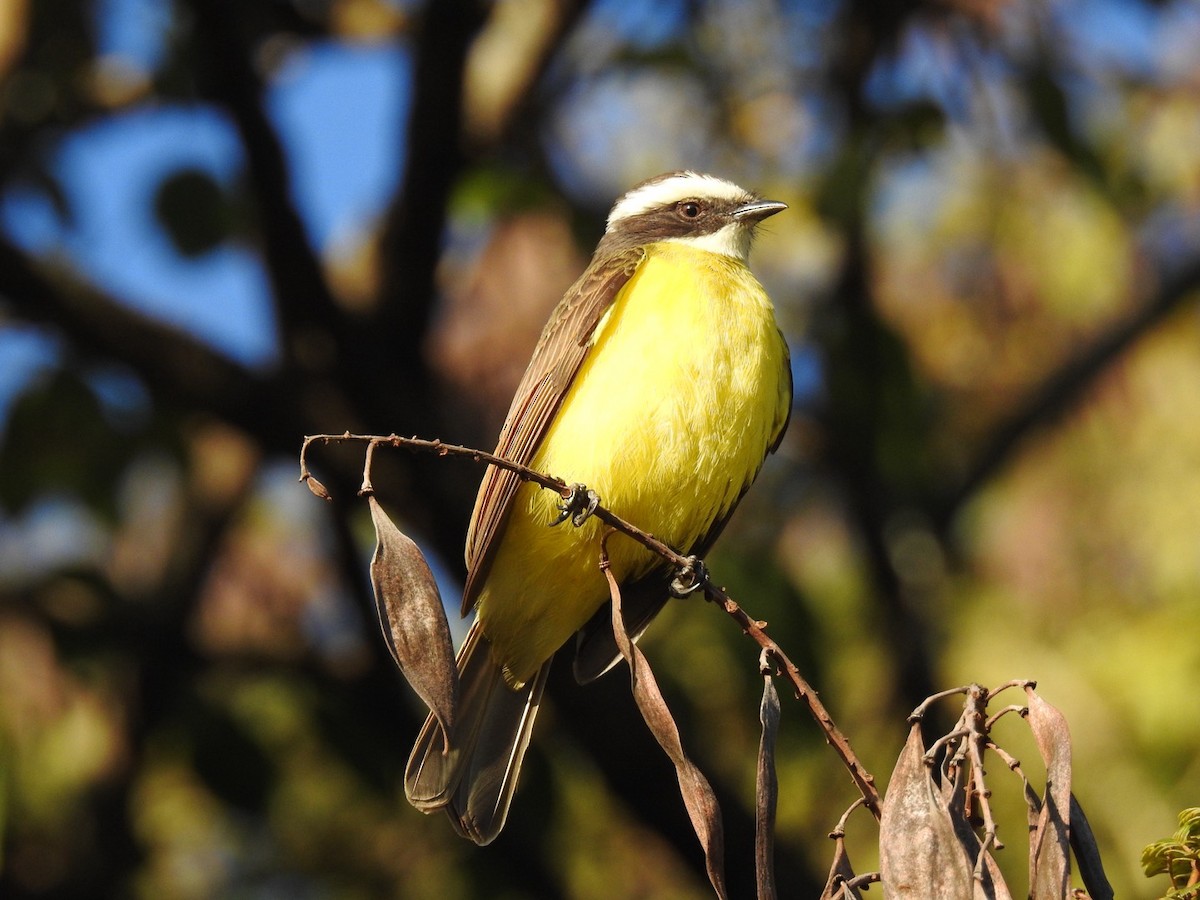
column 661, row 381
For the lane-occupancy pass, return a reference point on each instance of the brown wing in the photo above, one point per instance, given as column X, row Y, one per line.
column 559, row 353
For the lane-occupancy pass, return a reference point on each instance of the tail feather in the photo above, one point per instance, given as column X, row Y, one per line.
column 474, row 774
column 434, row 768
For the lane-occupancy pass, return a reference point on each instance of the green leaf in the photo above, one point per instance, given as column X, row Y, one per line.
column 1189, row 825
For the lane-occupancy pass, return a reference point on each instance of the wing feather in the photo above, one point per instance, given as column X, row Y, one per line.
column 560, row 351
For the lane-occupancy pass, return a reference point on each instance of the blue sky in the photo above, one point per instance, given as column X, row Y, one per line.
column 340, row 111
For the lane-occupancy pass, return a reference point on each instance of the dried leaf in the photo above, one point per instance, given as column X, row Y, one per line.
column 920, row 855
column 1050, row 840
column 840, row 872
column 412, row 617
column 993, row 886
column 990, row 885
column 697, row 793
column 1087, row 854
column 767, row 792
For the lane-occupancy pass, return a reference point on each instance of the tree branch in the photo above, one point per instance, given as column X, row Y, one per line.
column 173, row 365
column 754, row 629
column 304, row 304
column 412, row 236
column 1066, row 387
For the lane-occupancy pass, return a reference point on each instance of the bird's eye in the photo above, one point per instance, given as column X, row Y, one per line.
column 690, row 208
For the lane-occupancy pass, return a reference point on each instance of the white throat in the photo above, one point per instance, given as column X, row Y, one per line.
column 732, row 240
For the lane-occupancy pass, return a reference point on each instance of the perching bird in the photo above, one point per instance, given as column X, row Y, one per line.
column 661, row 382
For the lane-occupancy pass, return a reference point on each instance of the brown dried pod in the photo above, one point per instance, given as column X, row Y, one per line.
column 767, row 792
column 920, row 855
column 412, row 617
column 316, row 487
column 1050, row 838
column 698, row 795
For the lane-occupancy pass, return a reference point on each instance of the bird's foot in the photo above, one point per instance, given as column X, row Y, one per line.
column 691, row 577
column 577, row 506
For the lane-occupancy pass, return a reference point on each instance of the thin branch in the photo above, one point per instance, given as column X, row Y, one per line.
column 839, row 830
column 861, row 881
column 440, row 448
column 975, row 715
column 1021, row 683
column 754, row 629
column 946, row 739
column 923, row 707
column 863, row 780
column 1013, row 708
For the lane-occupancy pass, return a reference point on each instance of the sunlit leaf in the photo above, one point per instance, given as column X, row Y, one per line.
column 1050, row 842
column 920, row 855
column 1189, row 825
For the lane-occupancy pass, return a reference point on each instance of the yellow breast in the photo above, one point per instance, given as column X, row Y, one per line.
column 668, row 420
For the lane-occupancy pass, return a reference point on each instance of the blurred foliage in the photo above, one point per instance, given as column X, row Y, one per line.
column 988, row 275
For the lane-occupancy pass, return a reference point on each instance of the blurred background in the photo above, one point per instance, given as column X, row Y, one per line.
column 225, row 225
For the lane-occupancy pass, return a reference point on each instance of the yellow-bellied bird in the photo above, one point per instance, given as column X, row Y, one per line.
column 661, row 381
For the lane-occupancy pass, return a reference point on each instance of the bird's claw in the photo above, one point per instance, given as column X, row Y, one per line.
column 577, row 506
column 691, row 577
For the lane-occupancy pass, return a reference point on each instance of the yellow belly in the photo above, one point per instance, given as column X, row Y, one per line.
column 668, row 420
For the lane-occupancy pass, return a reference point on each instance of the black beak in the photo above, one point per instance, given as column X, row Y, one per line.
column 758, row 210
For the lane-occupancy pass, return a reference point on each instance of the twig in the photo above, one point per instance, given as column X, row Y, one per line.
column 923, row 706
column 956, row 735
column 1021, row 683
column 860, row 881
column 1007, row 758
column 549, row 482
column 839, row 830
column 1013, row 708
column 976, row 710
column 863, row 780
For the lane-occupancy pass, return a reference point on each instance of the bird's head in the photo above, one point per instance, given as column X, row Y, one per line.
column 691, row 208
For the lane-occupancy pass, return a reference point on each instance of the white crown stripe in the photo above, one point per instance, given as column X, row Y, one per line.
column 672, row 190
